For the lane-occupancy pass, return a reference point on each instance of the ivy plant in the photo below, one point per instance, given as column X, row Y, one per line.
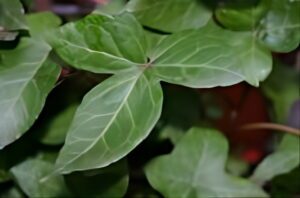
column 137, row 47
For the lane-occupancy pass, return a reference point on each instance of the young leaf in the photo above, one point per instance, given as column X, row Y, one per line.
column 196, row 169
column 12, row 15
column 92, row 183
column 211, row 57
column 170, row 15
column 36, row 180
column 112, row 119
column 280, row 29
column 26, row 77
column 102, row 44
column 285, row 159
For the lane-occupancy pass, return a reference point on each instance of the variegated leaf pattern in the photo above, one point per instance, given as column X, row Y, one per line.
column 112, row 119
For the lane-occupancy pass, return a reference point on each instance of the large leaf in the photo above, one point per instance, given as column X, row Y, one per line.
column 170, row 15
column 91, row 183
column 36, row 179
column 211, row 57
column 26, row 77
column 112, row 119
column 100, row 43
column 285, row 159
column 11, row 15
column 280, row 29
column 196, row 169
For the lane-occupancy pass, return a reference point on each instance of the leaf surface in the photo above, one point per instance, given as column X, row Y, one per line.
column 170, row 15
column 285, row 159
column 211, row 57
column 197, row 169
column 12, row 15
column 101, row 43
column 112, row 119
column 26, row 78
column 35, row 179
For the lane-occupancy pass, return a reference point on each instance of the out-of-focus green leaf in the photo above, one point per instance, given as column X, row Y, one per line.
column 237, row 15
column 196, row 169
column 12, row 15
column 102, row 44
column 172, row 133
column 57, row 128
column 236, row 166
column 111, row 7
column 12, row 192
column 41, row 24
column 211, row 57
column 282, row 92
column 115, row 117
column 26, row 78
column 281, row 161
column 170, row 15
column 37, row 179
column 111, row 181
column 280, row 29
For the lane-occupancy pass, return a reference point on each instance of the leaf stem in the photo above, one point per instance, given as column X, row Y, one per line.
column 271, row 126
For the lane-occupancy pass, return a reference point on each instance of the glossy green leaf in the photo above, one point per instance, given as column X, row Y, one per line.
column 57, row 128
column 111, row 181
column 36, row 179
column 280, row 29
column 12, row 15
column 112, row 119
column 241, row 15
column 211, row 57
column 102, row 44
column 26, row 77
column 41, row 24
column 196, row 169
column 285, row 159
column 170, row 15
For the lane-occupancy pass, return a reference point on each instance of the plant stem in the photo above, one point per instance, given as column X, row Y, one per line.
column 271, row 126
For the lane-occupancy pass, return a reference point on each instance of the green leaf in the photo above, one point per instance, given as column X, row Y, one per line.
column 12, row 15
column 211, row 57
column 36, row 179
column 57, row 128
column 280, row 29
column 170, row 15
column 26, row 77
column 41, row 24
column 12, row 192
column 90, row 183
column 111, row 7
column 196, row 169
column 282, row 93
column 285, row 159
column 102, row 44
column 115, row 117
column 241, row 15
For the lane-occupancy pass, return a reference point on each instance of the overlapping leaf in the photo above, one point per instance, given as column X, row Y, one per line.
column 281, row 27
column 285, row 159
column 200, row 170
column 170, row 15
column 11, row 15
column 102, row 44
column 35, row 178
column 211, row 57
column 112, row 120
column 26, row 77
